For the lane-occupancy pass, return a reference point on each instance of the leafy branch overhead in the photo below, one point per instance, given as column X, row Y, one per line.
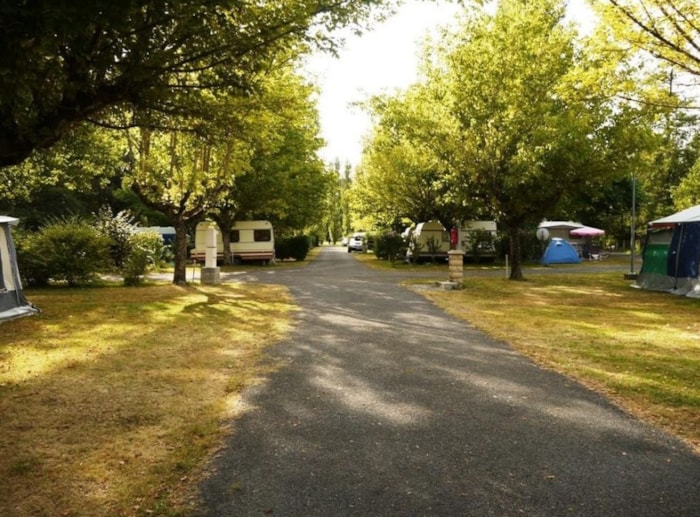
column 667, row 29
column 68, row 61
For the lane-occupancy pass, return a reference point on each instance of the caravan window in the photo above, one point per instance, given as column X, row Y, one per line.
column 235, row 236
column 262, row 235
column 663, row 236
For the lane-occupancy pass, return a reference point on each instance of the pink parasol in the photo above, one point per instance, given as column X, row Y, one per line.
column 587, row 231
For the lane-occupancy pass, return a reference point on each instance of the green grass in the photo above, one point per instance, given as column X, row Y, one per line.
column 112, row 398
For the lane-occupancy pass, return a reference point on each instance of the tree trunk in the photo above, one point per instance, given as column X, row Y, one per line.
column 516, row 260
column 226, row 239
column 180, row 249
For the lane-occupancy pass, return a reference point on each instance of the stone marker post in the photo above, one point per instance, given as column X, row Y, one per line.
column 456, row 266
column 210, row 271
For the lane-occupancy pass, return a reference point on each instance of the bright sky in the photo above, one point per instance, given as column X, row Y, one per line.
column 380, row 61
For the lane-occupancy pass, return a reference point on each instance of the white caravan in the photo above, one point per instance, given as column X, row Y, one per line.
column 428, row 240
column 250, row 241
column 432, row 240
column 479, row 233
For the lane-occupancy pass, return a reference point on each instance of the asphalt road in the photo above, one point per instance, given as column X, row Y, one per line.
column 386, row 406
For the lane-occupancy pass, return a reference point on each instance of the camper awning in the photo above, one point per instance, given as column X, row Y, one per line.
column 4, row 219
column 559, row 224
column 689, row 215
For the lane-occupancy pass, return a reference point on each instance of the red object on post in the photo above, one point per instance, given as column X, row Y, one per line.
column 454, row 238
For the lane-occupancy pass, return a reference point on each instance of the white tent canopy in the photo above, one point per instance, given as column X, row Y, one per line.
column 688, row 215
column 13, row 304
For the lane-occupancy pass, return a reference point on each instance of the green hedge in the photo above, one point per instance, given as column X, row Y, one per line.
column 296, row 247
column 389, row 246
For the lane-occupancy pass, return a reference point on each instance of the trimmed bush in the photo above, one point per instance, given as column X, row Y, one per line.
column 33, row 264
column 296, row 247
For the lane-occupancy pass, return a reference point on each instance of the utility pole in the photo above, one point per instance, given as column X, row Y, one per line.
column 632, row 275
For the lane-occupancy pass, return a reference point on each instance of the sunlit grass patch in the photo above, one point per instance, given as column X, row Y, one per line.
column 112, row 397
column 642, row 348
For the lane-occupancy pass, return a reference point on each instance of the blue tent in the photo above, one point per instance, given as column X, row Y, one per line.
column 672, row 254
column 559, row 251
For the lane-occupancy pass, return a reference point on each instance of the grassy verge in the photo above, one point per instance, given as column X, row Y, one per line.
column 371, row 260
column 112, row 397
column 640, row 348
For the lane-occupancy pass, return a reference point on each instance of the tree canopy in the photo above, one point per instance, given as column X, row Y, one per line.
column 517, row 118
column 667, row 29
column 64, row 61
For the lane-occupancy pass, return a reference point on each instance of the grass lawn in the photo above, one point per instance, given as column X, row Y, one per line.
column 640, row 348
column 112, row 397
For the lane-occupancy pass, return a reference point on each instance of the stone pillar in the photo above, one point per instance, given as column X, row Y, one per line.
column 456, row 266
column 210, row 271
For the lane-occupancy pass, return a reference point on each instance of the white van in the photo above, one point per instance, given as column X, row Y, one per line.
column 250, row 241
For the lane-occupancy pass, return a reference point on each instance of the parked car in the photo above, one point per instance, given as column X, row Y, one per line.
column 356, row 242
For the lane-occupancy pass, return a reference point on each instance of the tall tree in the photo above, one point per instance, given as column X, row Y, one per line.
column 182, row 174
column 687, row 192
column 403, row 174
column 69, row 178
column 285, row 182
column 532, row 122
column 67, row 61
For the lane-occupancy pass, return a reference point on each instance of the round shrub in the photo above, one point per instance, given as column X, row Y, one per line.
column 73, row 250
column 389, row 246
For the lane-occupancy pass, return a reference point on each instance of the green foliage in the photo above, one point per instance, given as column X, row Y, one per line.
column 70, row 250
column 284, row 181
column 119, row 228
column 145, row 251
column 666, row 30
column 256, row 159
column 72, row 61
column 433, row 246
column 516, row 117
column 403, row 173
column 687, row 193
column 480, row 243
column 83, row 162
column 296, row 247
column 390, row 246
column 31, row 258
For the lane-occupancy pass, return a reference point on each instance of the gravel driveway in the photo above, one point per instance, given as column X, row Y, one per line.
column 386, row 406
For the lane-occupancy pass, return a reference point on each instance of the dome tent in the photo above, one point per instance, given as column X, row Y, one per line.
column 559, row 251
column 13, row 304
